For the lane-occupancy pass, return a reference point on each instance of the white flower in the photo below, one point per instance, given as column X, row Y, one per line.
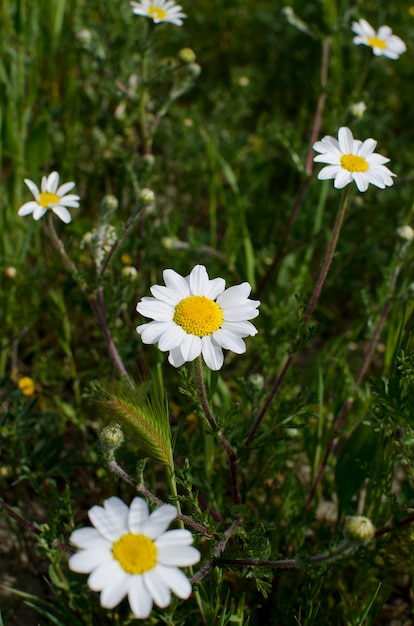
column 195, row 315
column 130, row 552
column 383, row 42
column 351, row 159
column 50, row 197
column 159, row 11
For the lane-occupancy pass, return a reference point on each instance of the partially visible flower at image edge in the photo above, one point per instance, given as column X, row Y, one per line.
column 159, row 11
column 131, row 553
column 350, row 160
column 194, row 315
column 50, row 197
column 383, row 42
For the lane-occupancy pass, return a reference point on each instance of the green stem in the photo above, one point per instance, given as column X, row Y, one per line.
column 198, row 370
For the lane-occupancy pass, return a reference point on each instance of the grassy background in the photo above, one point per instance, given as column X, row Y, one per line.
column 227, row 165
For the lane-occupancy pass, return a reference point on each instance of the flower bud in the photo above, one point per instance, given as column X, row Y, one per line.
column 146, row 195
column 358, row 109
column 194, row 69
column 187, row 55
column 10, row 272
column 358, row 529
column 405, row 232
column 256, row 381
column 110, row 203
column 111, row 436
column 130, row 272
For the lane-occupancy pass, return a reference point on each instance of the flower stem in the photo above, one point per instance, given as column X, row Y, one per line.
column 198, row 369
column 97, row 302
column 309, row 310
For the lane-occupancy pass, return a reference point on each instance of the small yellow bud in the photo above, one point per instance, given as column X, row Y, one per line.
column 127, row 259
column 27, row 386
column 358, row 529
column 187, row 55
column 244, row 81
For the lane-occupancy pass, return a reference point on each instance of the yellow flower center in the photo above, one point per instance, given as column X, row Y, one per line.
column 354, row 163
column 156, row 13
column 136, row 554
column 46, row 199
column 375, row 42
column 198, row 315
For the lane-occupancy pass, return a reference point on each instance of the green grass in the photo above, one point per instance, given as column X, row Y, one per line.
column 104, row 97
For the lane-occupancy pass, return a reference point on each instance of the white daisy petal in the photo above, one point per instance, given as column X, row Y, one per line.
column 138, row 515
column 139, row 597
column 160, row 311
column 184, row 557
column 52, row 182
column 165, row 295
column 172, row 337
column 230, row 341
column 63, row 189
column 33, row 187
column 151, row 332
column 176, row 358
column 176, row 580
column 159, row 520
column 233, row 296
column 105, row 573
column 177, row 537
column 39, row 212
column 212, row 353
column 176, row 283
column 27, row 208
column 110, row 520
column 86, row 561
column 215, row 288
column 86, row 537
column 62, row 213
column 190, row 347
column 198, row 280
column 157, row 588
column 111, row 595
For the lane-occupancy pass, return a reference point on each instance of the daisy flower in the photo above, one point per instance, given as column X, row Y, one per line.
column 50, row 197
column 351, row 159
column 130, row 552
column 383, row 42
column 195, row 315
column 159, row 11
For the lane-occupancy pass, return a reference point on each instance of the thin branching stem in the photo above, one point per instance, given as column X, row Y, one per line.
column 308, row 313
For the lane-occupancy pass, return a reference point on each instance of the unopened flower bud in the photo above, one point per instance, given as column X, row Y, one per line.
column 111, row 436
column 130, row 272
column 146, row 195
column 170, row 243
column 358, row 109
column 148, row 161
column 358, row 529
column 256, row 381
column 187, row 55
column 194, row 69
column 10, row 272
column 405, row 232
column 110, row 203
